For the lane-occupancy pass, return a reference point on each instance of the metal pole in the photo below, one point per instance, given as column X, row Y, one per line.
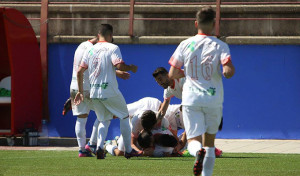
column 44, row 55
column 131, row 17
column 218, row 17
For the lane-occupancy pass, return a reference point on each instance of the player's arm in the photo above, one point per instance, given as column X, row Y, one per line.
column 163, row 109
column 122, row 74
column 176, row 73
column 79, row 96
column 123, row 67
column 228, row 69
column 183, row 140
column 134, row 144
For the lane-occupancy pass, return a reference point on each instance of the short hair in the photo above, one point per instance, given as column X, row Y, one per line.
column 144, row 139
column 158, row 71
column 148, row 120
column 105, row 30
column 205, row 15
column 166, row 140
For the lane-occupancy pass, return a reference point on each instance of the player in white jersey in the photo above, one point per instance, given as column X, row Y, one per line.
column 173, row 88
column 82, row 110
column 140, row 119
column 202, row 96
column 101, row 60
column 162, row 142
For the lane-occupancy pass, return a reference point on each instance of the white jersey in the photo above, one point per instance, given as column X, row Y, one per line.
column 136, row 125
column 176, row 90
column 174, row 116
column 101, row 60
column 84, row 46
column 201, row 57
column 147, row 103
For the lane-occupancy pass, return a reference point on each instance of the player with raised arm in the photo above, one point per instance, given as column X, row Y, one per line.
column 107, row 100
column 202, row 95
column 173, row 88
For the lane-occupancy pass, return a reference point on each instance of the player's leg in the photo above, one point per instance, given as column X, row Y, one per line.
column 194, row 123
column 102, row 133
column 104, row 116
column 81, row 111
column 116, row 150
column 212, row 120
column 92, row 144
column 118, row 107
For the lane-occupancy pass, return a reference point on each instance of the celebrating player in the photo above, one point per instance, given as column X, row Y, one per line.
column 101, row 61
column 82, row 110
column 202, row 96
column 173, row 87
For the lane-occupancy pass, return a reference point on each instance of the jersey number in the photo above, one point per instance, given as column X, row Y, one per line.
column 96, row 67
column 206, row 68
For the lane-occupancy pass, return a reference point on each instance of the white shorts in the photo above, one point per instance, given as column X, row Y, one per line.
column 105, row 109
column 84, row 107
column 199, row 120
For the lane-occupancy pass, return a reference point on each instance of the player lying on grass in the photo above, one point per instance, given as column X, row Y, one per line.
column 159, row 143
column 141, row 120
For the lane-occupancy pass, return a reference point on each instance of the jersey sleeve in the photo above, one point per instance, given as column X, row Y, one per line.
column 177, row 59
column 168, row 94
column 84, row 62
column 225, row 55
column 116, row 57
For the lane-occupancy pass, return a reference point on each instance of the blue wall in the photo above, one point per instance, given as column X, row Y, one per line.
column 262, row 101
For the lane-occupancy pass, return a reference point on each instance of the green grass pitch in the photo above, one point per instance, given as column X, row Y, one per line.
column 39, row 163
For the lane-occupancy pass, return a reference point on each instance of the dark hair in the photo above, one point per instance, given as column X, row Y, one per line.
column 148, row 120
column 159, row 70
column 165, row 140
column 105, row 30
column 144, row 139
column 205, row 15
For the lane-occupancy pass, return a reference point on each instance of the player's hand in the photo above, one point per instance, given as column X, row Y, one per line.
column 78, row 98
column 123, row 75
column 133, row 68
column 177, row 148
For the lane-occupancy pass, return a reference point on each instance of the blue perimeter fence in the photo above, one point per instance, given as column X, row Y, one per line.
column 262, row 100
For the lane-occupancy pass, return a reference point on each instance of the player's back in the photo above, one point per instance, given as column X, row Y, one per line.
column 147, row 103
column 102, row 58
column 202, row 56
column 79, row 53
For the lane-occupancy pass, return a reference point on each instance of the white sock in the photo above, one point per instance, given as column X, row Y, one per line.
column 126, row 133
column 93, row 139
column 110, row 149
column 193, row 147
column 81, row 132
column 102, row 133
column 209, row 161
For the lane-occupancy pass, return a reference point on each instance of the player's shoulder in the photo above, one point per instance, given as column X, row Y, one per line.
column 187, row 41
column 219, row 42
